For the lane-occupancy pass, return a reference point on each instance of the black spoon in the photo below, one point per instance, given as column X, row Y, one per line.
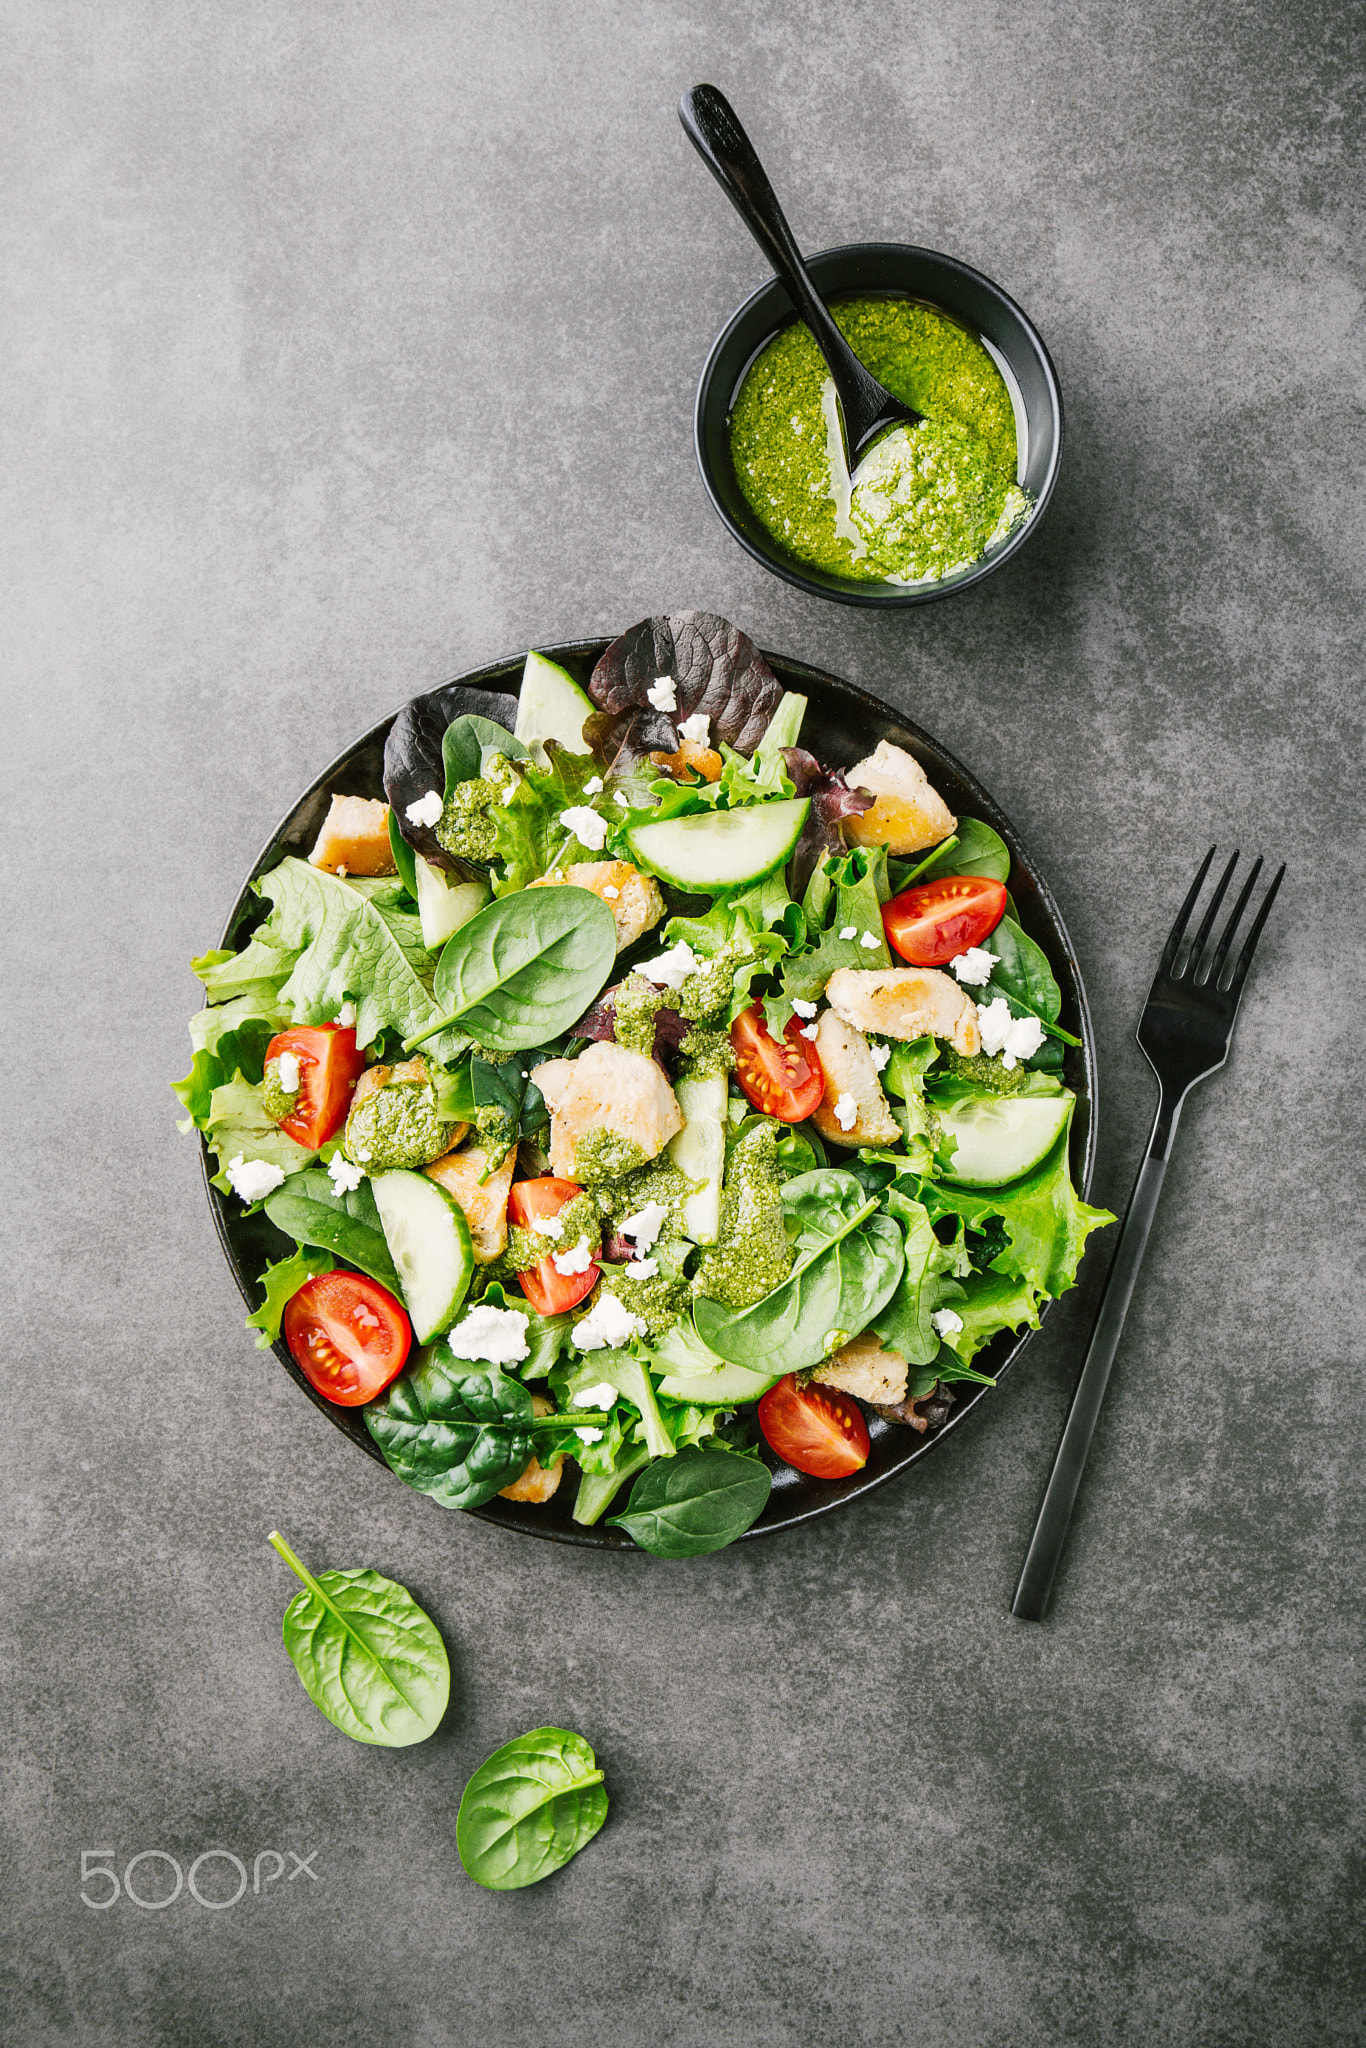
column 710, row 123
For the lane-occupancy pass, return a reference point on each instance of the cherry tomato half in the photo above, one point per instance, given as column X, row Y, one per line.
column 815, row 1428
column 348, row 1336
column 783, row 1077
column 549, row 1291
column 934, row 922
column 330, row 1064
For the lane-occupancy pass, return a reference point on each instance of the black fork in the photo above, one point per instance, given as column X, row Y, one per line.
column 1185, row 1032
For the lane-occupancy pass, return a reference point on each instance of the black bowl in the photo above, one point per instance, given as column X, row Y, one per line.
column 896, row 269
column 843, row 723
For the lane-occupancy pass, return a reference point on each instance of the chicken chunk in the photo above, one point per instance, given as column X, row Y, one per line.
column 851, row 1077
column 537, row 1481
column 607, row 1089
column 633, row 899
column 908, row 813
column 485, row 1204
column 862, row 1368
column 703, row 761
column 354, row 839
column 906, row 1002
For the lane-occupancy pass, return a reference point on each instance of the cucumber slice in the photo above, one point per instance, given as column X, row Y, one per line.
column 444, row 906
column 699, row 1151
column 551, row 706
column 721, row 849
column 723, row 1389
column 430, row 1241
column 999, row 1137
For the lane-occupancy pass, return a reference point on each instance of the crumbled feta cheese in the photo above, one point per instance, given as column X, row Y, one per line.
column 803, row 1009
column 601, row 1396
column 497, row 1335
column 287, row 1072
column 946, row 1322
column 1014, row 1038
column 642, row 1269
column 624, row 801
column 644, row 1227
column 253, row 1179
column 973, row 968
column 848, row 931
column 578, row 1260
column 671, row 969
column 344, row 1177
column 548, row 1226
column 593, row 785
column 346, row 1016
column 427, row 810
column 881, row 1055
column 610, row 894
column 871, row 941
column 588, row 828
column 588, row 1436
column 695, row 728
column 810, row 1030
column 608, row 1325
column 846, row 1111
column 662, row 694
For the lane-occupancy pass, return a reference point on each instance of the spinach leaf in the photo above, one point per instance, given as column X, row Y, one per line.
column 367, row 1655
column 975, row 849
column 499, row 1098
column 405, row 860
column 840, row 897
column 281, row 1281
column 467, row 744
column 536, row 1802
column 309, row 1209
column 697, row 1502
column 461, row 1436
column 904, row 1321
column 524, row 968
column 849, row 1260
column 413, row 762
column 1023, row 976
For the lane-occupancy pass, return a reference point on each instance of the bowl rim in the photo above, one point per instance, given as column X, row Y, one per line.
column 516, row 1516
column 874, row 596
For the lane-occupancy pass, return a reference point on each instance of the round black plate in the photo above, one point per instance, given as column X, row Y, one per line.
column 842, row 725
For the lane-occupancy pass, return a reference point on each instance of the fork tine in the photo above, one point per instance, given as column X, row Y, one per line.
column 1182, row 917
column 1221, row 952
column 1235, row 987
column 1207, row 922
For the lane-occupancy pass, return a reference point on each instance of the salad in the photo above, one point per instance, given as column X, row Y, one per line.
column 635, row 1094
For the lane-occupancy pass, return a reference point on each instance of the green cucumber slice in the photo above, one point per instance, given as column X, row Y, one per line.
column 999, row 1137
column 430, row 1240
column 551, row 706
column 721, row 849
column 699, row 1151
column 723, row 1389
column 444, row 906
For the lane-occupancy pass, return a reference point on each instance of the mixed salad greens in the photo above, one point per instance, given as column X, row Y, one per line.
column 637, row 1090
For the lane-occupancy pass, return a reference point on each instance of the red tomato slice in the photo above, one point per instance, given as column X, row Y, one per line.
column 549, row 1291
column 783, row 1077
column 330, row 1064
column 817, row 1429
column 348, row 1336
column 936, row 921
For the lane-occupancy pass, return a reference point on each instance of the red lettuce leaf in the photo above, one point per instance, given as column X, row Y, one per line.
column 601, row 1023
column 715, row 668
column 831, row 800
column 412, row 756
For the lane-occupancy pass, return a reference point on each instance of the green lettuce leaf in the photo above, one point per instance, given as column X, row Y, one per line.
column 282, row 1280
column 529, row 833
column 237, row 1123
column 841, row 896
column 988, row 1303
column 927, row 1283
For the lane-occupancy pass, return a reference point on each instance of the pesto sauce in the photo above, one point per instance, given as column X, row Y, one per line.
column 604, row 1155
column 274, row 1101
column 397, row 1126
column 658, row 1301
column 752, row 1255
column 926, row 501
column 526, row 1248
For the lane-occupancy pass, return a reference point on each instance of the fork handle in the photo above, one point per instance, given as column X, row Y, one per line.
column 1035, row 1589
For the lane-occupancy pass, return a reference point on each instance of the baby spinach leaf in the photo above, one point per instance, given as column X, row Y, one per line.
column 469, row 742
column 367, row 1655
column 1023, row 976
column 696, row 1502
column 461, row 1436
column 309, row 1209
column 975, row 849
column 281, row 1281
column 405, row 860
column 413, row 762
column 536, row 1802
column 840, row 897
column 523, row 969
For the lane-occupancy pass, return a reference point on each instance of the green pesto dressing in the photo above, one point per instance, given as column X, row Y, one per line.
column 274, row 1101
column 752, row 1255
column 658, row 1301
column 926, row 500
column 580, row 1219
column 398, row 1126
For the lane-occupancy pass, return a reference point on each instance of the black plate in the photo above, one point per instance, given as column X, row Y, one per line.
column 842, row 725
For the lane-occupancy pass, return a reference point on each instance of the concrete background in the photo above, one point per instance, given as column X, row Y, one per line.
column 351, row 345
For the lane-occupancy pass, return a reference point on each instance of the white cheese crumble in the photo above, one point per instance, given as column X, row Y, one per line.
column 1015, row 1038
column 287, row 1072
column 803, row 1008
column 695, row 728
column 497, row 1335
column 607, row 1326
column 946, row 1323
column 576, row 1261
column 593, row 785
column 624, row 801
column 344, row 1177
column 642, row 1269
column 346, row 1016
column 548, row 1226
column 601, row 1396
column 848, row 931
column 881, row 1055
column 588, row 1436
column 810, row 1030
column 587, row 827
column 610, row 894
column 662, row 694
column 871, row 941
column 846, row 1111
column 253, row 1179
column 671, row 969
column 427, row 810
column 644, row 1227
column 973, row 968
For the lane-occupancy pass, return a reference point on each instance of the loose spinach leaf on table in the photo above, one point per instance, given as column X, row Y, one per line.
column 531, row 1807
column 309, row 1209
column 461, row 1435
column 282, row 1281
column 694, row 1503
column 367, row 1655
column 524, row 969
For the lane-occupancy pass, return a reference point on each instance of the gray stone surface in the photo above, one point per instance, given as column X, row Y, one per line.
column 350, row 346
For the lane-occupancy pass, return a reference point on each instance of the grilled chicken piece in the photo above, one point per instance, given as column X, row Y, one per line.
column 609, row 1089
column 865, row 1370
column 906, row 1002
column 354, row 839
column 847, row 1061
column 633, row 899
column 908, row 813
column 486, row 1205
